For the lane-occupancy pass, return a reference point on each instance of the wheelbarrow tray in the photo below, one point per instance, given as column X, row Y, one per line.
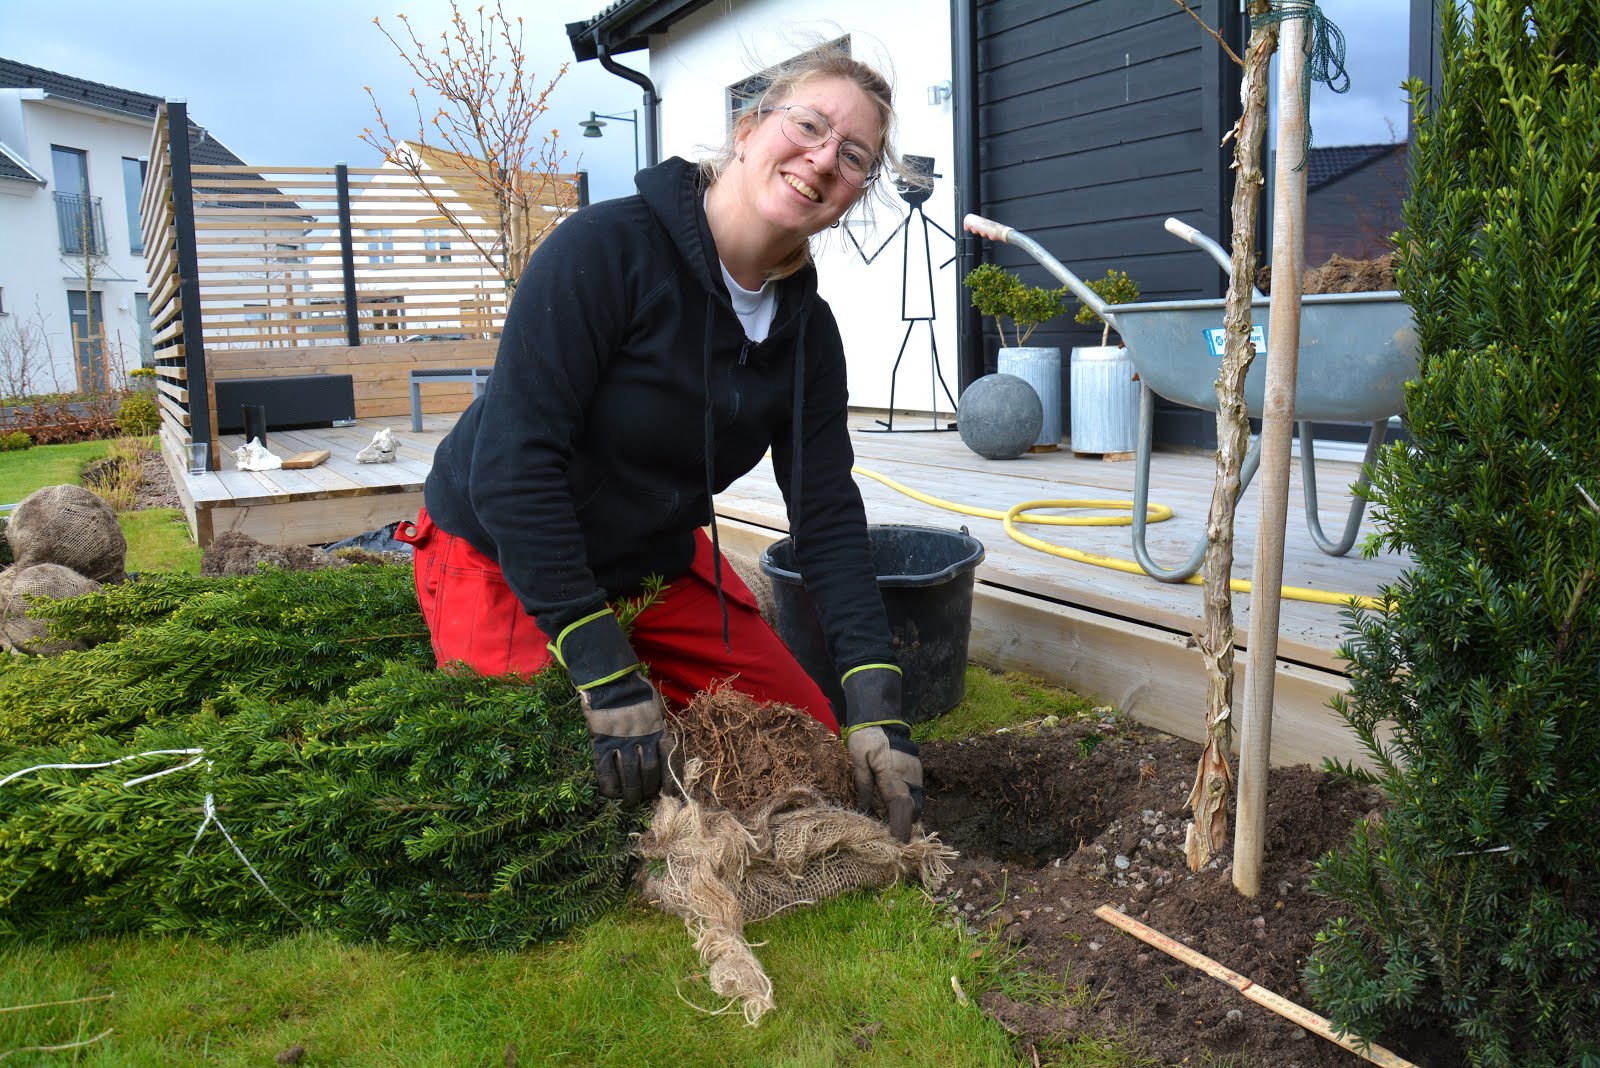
column 1356, row 352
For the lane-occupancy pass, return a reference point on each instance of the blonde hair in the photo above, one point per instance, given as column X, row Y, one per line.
column 827, row 61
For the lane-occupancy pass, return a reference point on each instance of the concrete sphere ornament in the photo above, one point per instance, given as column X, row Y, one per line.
column 999, row 417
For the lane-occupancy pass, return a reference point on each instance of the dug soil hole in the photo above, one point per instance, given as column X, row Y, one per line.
column 1053, row 824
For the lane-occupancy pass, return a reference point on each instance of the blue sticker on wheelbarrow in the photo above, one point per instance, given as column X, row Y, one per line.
column 1217, row 340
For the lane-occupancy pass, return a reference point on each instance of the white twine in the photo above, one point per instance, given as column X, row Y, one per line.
column 112, row 763
column 211, row 817
column 210, row 805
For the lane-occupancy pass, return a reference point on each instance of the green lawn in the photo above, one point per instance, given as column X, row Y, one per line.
column 44, row 465
column 158, row 538
column 626, row 992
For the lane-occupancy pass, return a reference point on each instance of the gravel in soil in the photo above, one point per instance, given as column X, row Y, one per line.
column 1052, row 825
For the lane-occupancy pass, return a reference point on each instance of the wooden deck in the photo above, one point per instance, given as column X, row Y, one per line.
column 1124, row 639
column 333, row 500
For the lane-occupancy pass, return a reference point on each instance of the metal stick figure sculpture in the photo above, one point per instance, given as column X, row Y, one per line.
column 915, row 195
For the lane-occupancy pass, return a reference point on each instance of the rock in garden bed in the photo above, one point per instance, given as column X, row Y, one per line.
column 1054, row 824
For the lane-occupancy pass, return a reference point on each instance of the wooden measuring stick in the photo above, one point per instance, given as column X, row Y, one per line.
column 1279, row 1004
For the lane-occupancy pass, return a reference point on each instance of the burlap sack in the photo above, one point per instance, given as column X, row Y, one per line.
column 19, row 631
column 70, row 526
column 748, row 568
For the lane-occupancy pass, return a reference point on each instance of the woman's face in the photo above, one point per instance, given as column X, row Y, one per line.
column 800, row 191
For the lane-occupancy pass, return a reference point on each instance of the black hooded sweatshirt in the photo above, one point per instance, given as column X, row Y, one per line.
column 583, row 468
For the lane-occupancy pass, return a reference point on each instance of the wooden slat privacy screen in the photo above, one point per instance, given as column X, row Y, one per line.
column 286, row 257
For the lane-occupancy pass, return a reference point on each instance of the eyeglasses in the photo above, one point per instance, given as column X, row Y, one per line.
column 807, row 129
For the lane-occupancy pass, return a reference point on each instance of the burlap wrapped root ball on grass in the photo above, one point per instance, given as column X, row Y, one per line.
column 20, row 630
column 758, row 825
column 70, row 526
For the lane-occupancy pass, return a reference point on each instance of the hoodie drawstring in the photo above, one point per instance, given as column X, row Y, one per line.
column 795, row 436
column 711, row 473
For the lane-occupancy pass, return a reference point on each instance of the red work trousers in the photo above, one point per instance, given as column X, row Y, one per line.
column 475, row 619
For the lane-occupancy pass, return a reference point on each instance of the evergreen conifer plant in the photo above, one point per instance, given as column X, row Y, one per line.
column 1475, row 900
column 362, row 791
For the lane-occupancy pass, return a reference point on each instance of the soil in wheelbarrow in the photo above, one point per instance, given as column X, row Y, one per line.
column 1053, row 824
column 1340, row 275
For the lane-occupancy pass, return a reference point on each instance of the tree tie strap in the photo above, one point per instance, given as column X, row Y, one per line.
column 1324, row 56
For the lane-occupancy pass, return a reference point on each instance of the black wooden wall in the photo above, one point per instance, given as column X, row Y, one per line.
column 1098, row 119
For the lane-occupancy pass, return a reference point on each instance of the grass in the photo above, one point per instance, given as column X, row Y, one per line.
column 860, row 980
column 159, row 541
column 1002, row 700
column 158, row 538
column 45, row 465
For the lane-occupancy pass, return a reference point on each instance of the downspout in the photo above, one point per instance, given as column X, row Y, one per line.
column 652, row 102
column 970, row 357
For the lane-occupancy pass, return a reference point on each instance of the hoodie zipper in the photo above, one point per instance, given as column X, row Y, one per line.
column 745, row 347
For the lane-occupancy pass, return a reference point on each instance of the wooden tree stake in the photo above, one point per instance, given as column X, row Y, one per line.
column 1214, row 778
column 1317, row 1025
column 1277, row 432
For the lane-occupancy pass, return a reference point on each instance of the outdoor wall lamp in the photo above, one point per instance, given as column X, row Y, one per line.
column 938, row 94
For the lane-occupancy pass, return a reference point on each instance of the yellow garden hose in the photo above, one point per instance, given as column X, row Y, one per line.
column 1156, row 513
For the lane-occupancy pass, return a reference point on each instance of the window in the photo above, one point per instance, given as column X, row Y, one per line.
column 380, row 241
column 147, row 342
column 434, row 249
column 78, row 220
column 133, row 171
column 85, row 312
column 71, row 170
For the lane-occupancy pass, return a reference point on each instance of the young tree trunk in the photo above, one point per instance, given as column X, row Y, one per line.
column 1214, row 777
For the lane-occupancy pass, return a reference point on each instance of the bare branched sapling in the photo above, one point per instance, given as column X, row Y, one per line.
column 488, row 125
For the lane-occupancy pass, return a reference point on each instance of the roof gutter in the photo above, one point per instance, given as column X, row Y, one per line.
column 652, row 102
column 970, row 357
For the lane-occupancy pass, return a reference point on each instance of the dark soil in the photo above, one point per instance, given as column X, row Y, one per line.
column 1055, row 824
column 232, row 553
column 1340, row 275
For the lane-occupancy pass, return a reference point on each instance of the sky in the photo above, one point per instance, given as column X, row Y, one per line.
column 282, row 83
column 1374, row 110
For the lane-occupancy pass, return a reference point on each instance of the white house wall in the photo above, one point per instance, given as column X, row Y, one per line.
column 693, row 66
column 34, row 274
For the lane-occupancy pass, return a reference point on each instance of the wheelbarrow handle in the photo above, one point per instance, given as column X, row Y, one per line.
column 977, row 224
column 1181, row 229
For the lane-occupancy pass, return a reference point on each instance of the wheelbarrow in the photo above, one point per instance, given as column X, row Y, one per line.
column 1357, row 350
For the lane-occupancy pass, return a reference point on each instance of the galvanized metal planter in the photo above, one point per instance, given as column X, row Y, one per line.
column 1105, row 400
column 1040, row 367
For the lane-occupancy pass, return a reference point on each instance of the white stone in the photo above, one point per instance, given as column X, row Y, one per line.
column 253, row 456
column 383, row 449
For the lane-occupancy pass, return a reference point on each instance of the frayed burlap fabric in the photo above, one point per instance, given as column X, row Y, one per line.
column 20, row 632
column 720, row 870
column 748, row 568
column 70, row 526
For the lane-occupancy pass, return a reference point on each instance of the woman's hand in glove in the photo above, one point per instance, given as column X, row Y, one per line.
column 881, row 750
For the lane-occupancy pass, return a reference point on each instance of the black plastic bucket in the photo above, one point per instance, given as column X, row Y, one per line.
column 925, row 576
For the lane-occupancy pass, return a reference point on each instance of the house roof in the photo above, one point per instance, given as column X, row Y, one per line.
column 1328, row 165
column 203, row 148
column 626, row 25
column 13, row 166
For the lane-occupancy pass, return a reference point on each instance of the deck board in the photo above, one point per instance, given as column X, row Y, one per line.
column 939, row 465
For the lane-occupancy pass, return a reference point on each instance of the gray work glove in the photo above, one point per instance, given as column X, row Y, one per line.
column 625, row 715
column 881, row 750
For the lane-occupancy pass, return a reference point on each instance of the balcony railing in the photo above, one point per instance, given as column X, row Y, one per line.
column 80, row 221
